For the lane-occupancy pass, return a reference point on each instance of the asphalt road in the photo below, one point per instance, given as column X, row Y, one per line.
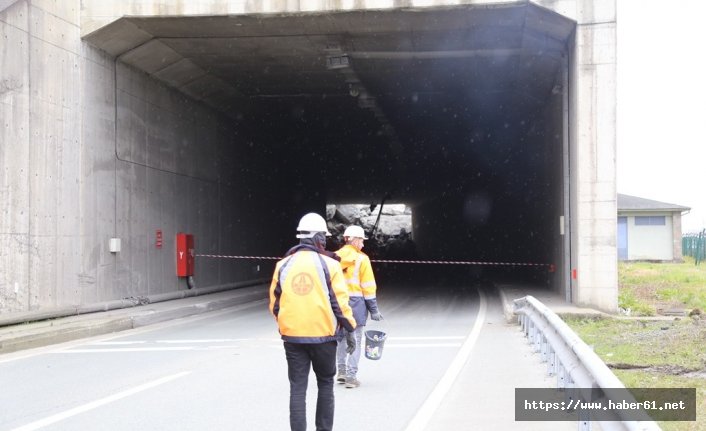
column 451, row 362
column 226, row 370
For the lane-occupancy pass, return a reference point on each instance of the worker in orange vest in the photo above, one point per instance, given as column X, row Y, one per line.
column 362, row 288
column 309, row 300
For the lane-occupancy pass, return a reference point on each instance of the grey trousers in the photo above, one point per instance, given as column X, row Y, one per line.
column 348, row 364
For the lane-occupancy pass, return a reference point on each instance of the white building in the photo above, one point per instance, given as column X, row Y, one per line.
column 649, row 230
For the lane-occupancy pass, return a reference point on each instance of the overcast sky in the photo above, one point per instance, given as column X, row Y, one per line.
column 661, row 115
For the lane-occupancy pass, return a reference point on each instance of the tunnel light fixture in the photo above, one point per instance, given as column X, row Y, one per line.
column 336, row 58
column 337, row 61
column 353, row 90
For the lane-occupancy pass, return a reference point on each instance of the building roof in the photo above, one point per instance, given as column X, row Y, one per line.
column 634, row 203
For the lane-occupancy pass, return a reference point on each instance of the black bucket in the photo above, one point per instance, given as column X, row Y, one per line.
column 374, row 342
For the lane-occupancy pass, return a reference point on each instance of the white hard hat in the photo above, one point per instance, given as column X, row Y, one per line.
column 311, row 224
column 354, row 232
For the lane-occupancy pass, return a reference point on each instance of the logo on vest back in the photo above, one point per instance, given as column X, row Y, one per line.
column 302, row 283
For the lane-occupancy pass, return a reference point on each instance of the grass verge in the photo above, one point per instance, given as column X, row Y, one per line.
column 652, row 354
column 647, row 288
column 659, row 352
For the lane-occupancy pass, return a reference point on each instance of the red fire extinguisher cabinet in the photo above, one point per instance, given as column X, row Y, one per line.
column 185, row 254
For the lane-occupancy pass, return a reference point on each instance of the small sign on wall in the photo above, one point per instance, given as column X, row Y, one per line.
column 158, row 239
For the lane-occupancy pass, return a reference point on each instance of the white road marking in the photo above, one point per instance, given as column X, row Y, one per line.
column 223, row 347
column 217, row 340
column 128, row 349
column 448, row 337
column 95, row 404
column 116, row 343
column 29, row 353
column 415, row 345
column 156, row 348
column 148, row 349
column 200, row 342
column 424, row 414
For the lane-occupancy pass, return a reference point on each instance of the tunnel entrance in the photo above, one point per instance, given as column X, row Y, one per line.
column 459, row 112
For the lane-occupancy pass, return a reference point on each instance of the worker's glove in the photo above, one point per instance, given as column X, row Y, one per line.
column 350, row 342
column 376, row 316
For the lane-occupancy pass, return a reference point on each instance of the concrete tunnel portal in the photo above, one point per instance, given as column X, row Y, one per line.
column 458, row 112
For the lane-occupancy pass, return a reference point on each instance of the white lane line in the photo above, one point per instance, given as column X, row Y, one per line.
column 116, row 343
column 216, row 340
column 389, row 345
column 414, row 345
column 449, row 337
column 95, row 404
column 193, row 348
column 424, row 414
column 222, row 340
column 29, row 353
column 126, row 349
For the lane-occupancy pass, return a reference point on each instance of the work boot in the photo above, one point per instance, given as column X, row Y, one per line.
column 352, row 382
column 341, row 377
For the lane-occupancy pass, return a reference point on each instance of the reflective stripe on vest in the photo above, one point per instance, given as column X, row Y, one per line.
column 354, row 280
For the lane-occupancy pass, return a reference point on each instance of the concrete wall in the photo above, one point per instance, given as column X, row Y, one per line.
column 97, row 13
column 551, row 136
column 40, row 102
column 14, row 158
column 592, row 115
column 83, row 160
column 68, row 183
column 677, row 251
column 593, row 152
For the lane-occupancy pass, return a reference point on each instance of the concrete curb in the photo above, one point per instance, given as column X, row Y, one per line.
column 34, row 316
column 507, row 307
column 40, row 337
column 40, row 334
column 563, row 311
column 152, row 317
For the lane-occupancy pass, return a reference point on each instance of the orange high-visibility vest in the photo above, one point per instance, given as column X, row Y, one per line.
column 309, row 298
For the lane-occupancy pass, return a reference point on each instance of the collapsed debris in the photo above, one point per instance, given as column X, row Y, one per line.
column 391, row 238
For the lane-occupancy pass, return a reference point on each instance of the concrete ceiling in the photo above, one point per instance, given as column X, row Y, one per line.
column 408, row 88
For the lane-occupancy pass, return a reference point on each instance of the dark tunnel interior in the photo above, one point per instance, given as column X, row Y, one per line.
column 463, row 125
column 458, row 112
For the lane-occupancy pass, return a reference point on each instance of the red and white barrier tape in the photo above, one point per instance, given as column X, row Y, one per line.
column 238, row 257
column 459, row 262
column 423, row 262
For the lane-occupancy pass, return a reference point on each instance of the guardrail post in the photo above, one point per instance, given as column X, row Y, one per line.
column 584, row 421
column 522, row 320
column 551, row 361
column 568, row 388
column 538, row 340
column 561, row 376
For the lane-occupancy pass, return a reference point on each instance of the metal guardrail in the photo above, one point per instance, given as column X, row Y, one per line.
column 572, row 361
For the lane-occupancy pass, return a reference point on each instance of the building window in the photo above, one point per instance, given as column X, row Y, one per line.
column 650, row 221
